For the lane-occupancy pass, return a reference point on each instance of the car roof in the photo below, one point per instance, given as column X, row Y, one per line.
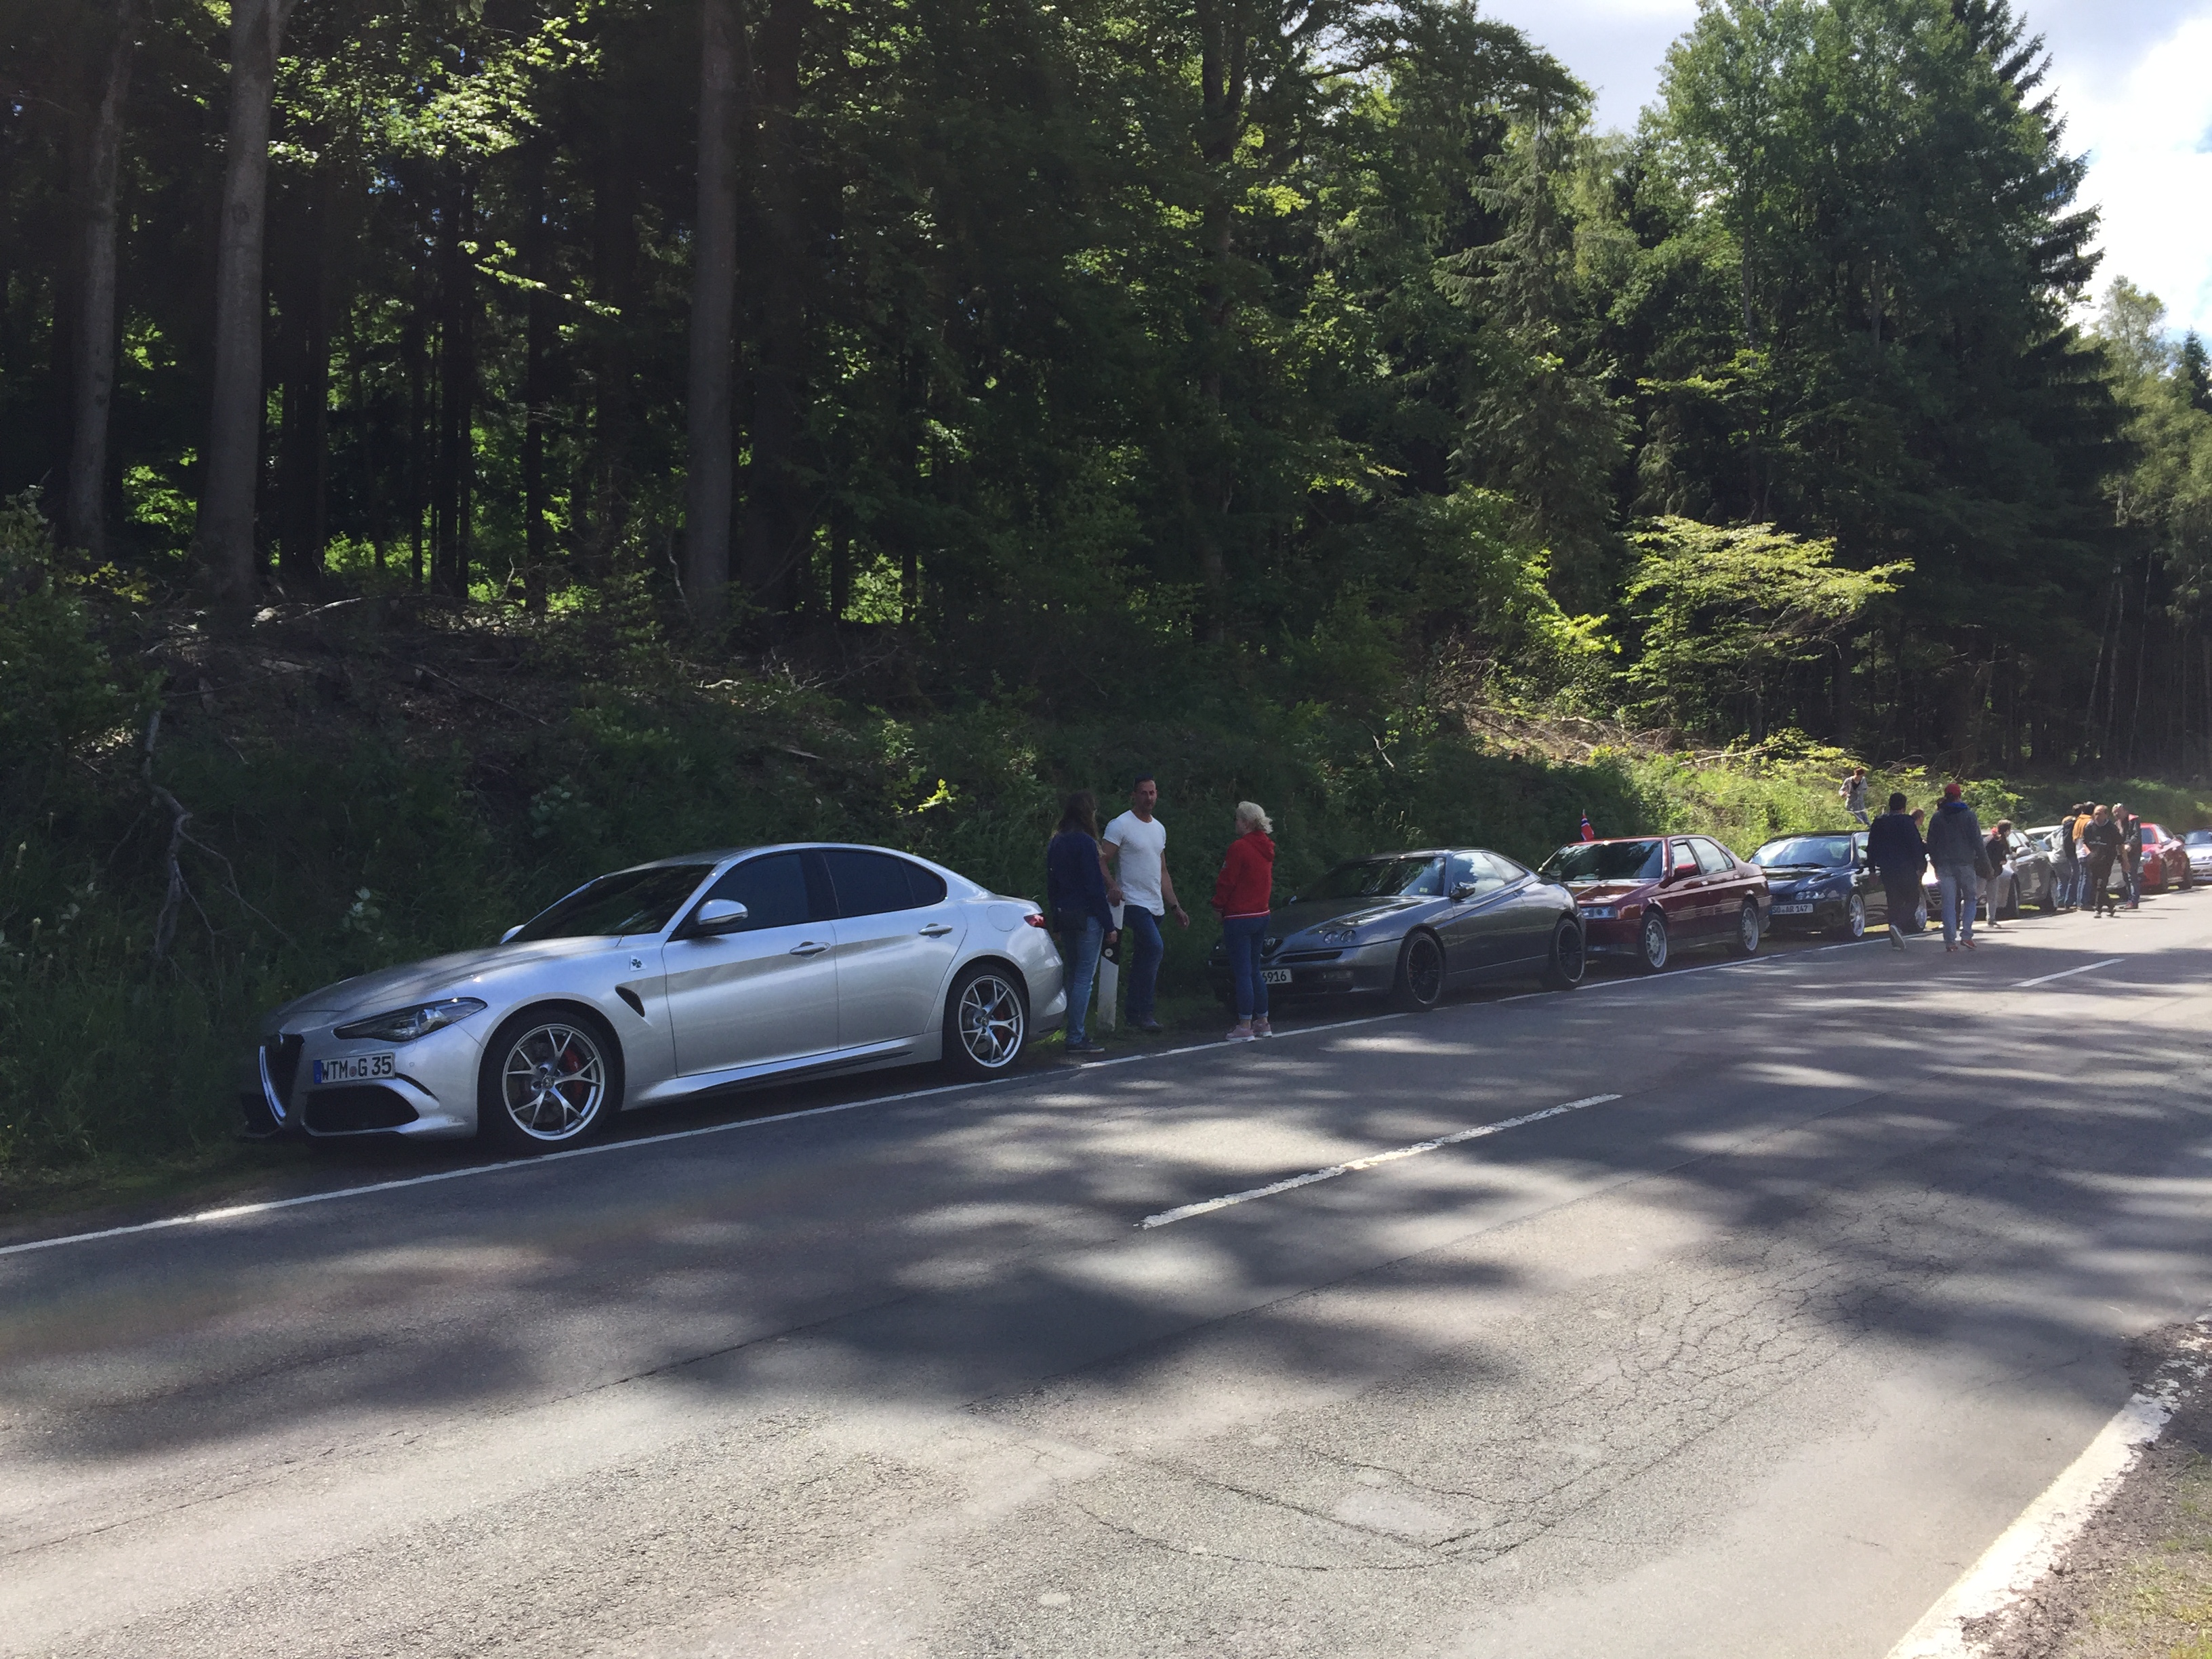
column 725, row 854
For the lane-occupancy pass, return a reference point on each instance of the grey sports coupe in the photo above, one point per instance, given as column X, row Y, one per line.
column 1411, row 925
column 690, row 974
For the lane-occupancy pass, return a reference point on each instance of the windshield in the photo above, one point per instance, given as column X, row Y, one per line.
column 629, row 902
column 2199, row 838
column 1833, row 850
column 1607, row 861
column 1381, row 878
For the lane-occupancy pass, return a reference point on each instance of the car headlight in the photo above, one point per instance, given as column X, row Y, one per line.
column 1336, row 935
column 405, row 1024
column 1599, row 912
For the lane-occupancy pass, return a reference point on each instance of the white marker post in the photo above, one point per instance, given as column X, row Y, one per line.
column 1109, row 983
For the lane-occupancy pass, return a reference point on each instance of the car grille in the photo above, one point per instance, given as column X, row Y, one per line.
column 281, row 1059
column 1311, row 955
column 350, row 1110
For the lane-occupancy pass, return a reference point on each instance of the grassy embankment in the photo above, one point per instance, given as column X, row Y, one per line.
column 365, row 791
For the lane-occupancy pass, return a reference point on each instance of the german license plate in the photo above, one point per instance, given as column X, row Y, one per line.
column 355, row 1068
column 1793, row 909
column 1274, row 976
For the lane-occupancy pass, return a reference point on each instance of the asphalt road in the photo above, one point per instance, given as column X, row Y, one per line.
column 1751, row 1359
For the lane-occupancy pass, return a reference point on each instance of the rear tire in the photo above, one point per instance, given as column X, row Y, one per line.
column 986, row 1022
column 1568, row 961
column 550, row 1077
column 1651, row 943
column 1746, row 942
column 1420, row 974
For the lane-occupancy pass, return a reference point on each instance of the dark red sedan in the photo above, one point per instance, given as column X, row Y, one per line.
column 2164, row 861
column 1648, row 896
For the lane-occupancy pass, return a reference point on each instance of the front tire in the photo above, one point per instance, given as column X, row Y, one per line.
column 1564, row 969
column 986, row 1022
column 1651, row 942
column 550, row 1077
column 1855, row 918
column 1420, row 984
column 1746, row 943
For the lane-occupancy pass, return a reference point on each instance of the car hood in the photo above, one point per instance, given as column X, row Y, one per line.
column 433, row 977
column 1789, row 874
column 1304, row 914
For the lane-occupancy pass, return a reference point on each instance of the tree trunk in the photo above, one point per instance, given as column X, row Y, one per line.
column 714, row 295
column 1224, row 47
column 225, row 529
column 537, row 383
column 776, row 533
column 304, row 440
column 450, row 502
column 414, row 351
column 615, row 259
column 84, row 510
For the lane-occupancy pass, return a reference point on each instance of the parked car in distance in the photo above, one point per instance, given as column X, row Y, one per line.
column 1821, row 884
column 1412, row 926
column 2166, row 863
column 710, row 971
column 1649, row 896
column 2033, row 879
column 2197, row 844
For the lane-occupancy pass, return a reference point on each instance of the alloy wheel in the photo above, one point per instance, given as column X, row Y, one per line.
column 553, row 1081
column 1855, row 918
column 990, row 1020
column 1421, row 973
column 1654, row 939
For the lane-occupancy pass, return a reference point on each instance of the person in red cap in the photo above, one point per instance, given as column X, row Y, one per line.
column 1955, row 849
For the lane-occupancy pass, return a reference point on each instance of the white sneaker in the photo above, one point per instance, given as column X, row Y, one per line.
column 1241, row 1032
column 1261, row 1028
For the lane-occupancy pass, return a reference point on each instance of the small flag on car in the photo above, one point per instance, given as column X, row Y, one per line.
column 1589, row 834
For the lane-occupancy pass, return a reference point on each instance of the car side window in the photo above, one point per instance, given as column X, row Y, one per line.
column 1507, row 870
column 1686, row 858
column 1476, row 870
column 928, row 886
column 870, row 883
column 1710, row 858
column 772, row 888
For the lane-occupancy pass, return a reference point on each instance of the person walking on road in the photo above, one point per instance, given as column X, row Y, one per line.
column 2101, row 848
column 1997, row 851
column 2069, row 862
column 2130, row 830
column 1954, row 847
column 1242, row 894
column 1082, row 916
column 1137, row 842
column 1899, row 856
column 1853, row 790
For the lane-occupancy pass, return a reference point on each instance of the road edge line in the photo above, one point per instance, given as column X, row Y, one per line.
column 2025, row 1550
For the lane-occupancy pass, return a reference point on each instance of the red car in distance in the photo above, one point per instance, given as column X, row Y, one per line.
column 2164, row 861
column 1648, row 896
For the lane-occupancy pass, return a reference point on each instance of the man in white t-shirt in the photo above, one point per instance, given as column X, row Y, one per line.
column 1138, row 841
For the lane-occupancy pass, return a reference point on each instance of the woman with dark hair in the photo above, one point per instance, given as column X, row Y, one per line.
column 1082, row 917
column 2101, row 848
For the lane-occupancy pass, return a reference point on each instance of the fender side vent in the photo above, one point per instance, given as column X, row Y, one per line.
column 636, row 1003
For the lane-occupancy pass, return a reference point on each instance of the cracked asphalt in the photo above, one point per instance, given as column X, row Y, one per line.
column 1754, row 1360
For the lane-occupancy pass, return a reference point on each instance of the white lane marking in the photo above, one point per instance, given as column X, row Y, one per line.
column 2024, row 1551
column 233, row 1211
column 1184, row 1213
column 2086, row 967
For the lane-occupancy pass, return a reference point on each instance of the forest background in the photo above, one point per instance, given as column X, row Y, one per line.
column 455, row 447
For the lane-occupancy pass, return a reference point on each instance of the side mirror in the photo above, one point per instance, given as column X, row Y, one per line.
column 1464, row 891
column 1687, row 867
column 510, row 932
column 717, row 916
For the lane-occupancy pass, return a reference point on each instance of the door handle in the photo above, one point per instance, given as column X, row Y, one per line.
column 809, row 948
column 935, row 930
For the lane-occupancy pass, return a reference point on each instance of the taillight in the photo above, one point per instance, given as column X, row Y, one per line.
column 1034, row 920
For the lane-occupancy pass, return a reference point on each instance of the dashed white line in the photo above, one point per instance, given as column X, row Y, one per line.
column 1184, row 1213
column 2086, row 967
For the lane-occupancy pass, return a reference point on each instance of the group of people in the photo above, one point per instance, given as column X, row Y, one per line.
column 1971, row 868
column 1089, row 872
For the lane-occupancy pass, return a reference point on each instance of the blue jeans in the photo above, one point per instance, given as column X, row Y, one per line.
column 1078, row 954
column 1243, row 936
column 2065, row 876
column 1962, row 891
column 1141, row 931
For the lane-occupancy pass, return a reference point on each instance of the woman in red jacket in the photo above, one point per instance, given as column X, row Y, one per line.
column 1242, row 894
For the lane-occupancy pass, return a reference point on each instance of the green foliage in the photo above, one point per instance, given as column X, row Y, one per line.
column 56, row 685
column 1725, row 611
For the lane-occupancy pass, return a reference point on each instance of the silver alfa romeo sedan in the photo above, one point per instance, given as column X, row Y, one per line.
column 709, row 971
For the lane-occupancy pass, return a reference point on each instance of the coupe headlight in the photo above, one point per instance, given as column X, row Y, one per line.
column 405, row 1024
column 1336, row 935
column 1599, row 912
